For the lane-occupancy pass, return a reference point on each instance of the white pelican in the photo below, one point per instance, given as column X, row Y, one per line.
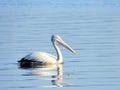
column 42, row 58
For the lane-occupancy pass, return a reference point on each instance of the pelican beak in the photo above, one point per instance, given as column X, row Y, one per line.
column 66, row 45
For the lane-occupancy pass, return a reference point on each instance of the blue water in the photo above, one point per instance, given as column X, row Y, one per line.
column 91, row 27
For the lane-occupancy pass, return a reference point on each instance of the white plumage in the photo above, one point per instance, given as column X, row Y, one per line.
column 41, row 57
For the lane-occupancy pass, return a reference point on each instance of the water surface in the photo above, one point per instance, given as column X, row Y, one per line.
column 92, row 28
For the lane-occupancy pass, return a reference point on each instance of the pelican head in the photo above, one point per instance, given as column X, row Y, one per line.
column 58, row 40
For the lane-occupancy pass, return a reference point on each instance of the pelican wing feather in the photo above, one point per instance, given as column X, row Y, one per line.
column 41, row 57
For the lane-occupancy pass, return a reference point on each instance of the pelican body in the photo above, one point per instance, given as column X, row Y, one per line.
column 43, row 58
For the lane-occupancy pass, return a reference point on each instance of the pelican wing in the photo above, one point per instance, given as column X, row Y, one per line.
column 41, row 57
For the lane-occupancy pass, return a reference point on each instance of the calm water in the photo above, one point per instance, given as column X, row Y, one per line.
column 92, row 28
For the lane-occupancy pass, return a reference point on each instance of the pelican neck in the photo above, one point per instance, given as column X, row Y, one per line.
column 59, row 54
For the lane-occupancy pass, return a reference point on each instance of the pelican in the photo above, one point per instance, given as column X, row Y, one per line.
column 44, row 58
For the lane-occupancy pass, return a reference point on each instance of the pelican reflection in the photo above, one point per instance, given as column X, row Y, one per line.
column 52, row 73
column 58, row 77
